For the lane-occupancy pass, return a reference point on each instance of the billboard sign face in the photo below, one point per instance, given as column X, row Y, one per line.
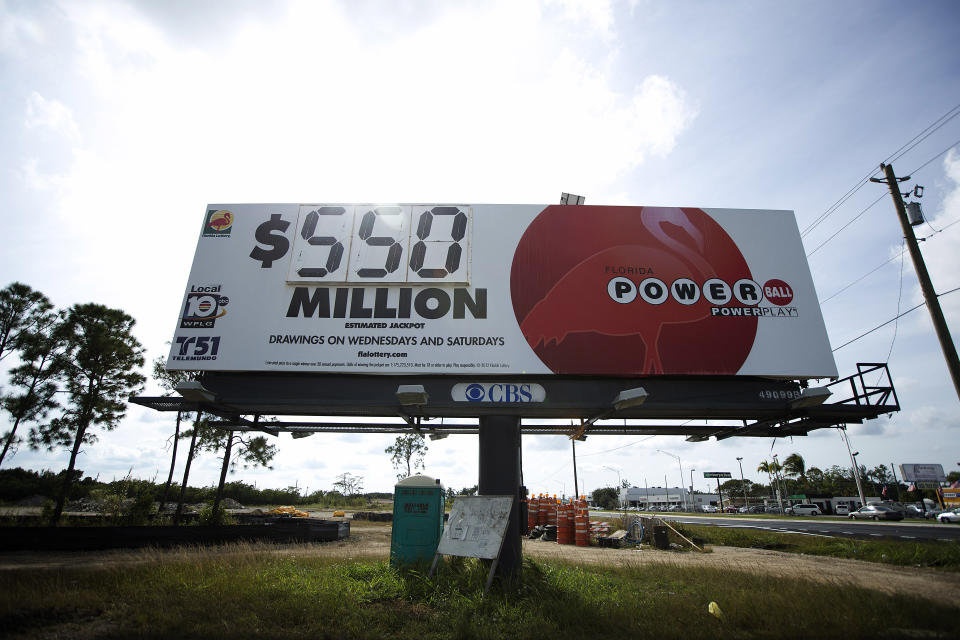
column 502, row 290
column 923, row 473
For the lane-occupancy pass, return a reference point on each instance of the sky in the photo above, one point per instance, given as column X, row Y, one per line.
column 121, row 120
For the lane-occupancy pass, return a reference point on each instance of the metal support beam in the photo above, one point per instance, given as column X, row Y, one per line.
column 500, row 476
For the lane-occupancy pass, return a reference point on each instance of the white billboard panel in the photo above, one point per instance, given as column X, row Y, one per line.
column 923, row 473
column 501, row 289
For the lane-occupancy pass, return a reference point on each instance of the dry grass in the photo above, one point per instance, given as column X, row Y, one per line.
column 348, row 590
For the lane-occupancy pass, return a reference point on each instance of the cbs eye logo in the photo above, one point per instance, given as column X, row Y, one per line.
column 474, row 392
column 202, row 310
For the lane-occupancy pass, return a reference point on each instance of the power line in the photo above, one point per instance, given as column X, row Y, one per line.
column 849, row 194
column 896, row 325
column 898, row 316
column 871, row 272
column 597, row 453
column 884, row 263
column 851, row 221
column 952, row 145
column 871, row 205
column 907, row 146
column 955, row 111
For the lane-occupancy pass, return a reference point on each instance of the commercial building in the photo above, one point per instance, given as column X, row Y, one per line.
column 666, row 497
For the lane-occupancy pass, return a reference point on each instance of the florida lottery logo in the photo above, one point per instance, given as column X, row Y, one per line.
column 218, row 223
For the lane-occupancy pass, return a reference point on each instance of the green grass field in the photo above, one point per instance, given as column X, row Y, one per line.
column 942, row 555
column 245, row 591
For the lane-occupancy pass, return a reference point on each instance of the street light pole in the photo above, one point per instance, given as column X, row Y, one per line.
column 693, row 502
column 776, row 477
column 853, row 461
column 619, row 483
column 683, row 497
column 743, row 484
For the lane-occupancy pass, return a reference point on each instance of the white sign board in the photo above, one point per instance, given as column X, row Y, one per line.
column 923, row 472
column 476, row 527
column 501, row 289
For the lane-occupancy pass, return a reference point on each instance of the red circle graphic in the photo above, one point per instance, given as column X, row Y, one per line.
column 567, row 258
column 778, row 292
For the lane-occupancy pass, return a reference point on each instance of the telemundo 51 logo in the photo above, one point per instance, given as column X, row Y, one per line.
column 204, row 305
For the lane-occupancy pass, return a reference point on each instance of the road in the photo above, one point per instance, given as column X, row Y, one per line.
column 909, row 530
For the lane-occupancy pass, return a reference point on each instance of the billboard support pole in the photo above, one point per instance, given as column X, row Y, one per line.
column 576, row 484
column 499, row 471
column 929, row 294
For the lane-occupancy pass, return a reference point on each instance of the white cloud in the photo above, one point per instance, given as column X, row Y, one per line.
column 939, row 254
column 16, row 31
column 594, row 16
column 43, row 113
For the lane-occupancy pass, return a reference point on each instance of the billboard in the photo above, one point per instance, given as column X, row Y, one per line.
column 922, row 473
column 502, row 290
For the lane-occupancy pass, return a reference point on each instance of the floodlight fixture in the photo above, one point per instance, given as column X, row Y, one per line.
column 412, row 395
column 301, row 434
column 194, row 391
column 438, row 436
column 630, row 398
column 811, row 397
column 697, row 438
column 569, row 198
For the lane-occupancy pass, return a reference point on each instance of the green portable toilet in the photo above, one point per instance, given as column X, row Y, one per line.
column 418, row 503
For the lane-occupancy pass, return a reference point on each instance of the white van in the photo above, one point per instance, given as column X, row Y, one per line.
column 805, row 510
column 841, row 510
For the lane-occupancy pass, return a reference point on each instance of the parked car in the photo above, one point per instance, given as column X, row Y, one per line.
column 953, row 515
column 914, row 511
column 758, row 509
column 932, row 513
column 709, row 508
column 806, row 510
column 842, row 509
column 891, row 504
column 875, row 512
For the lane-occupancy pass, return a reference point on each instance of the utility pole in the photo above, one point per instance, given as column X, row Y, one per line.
column 576, row 487
column 929, row 294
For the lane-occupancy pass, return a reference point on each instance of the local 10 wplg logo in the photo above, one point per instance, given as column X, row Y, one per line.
column 203, row 306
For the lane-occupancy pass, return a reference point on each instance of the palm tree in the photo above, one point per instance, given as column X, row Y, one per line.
column 794, row 466
column 767, row 468
column 772, row 469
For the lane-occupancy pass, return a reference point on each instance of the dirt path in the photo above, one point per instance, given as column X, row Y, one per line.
column 373, row 541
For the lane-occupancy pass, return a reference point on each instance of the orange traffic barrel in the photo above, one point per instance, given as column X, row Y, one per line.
column 570, row 517
column 582, row 533
column 552, row 511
